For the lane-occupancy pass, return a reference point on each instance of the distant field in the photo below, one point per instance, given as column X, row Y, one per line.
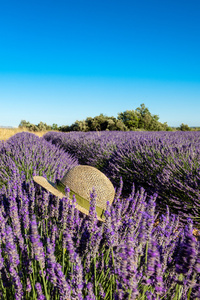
column 6, row 133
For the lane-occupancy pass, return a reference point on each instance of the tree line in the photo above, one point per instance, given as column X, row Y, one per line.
column 139, row 119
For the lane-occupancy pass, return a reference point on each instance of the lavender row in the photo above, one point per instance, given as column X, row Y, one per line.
column 167, row 163
column 92, row 148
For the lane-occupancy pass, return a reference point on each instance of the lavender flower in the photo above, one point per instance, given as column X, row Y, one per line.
column 17, row 283
column 51, row 262
column 92, row 224
column 25, row 212
column 54, row 234
column 65, row 208
column 28, row 286
column 150, row 296
column 39, row 291
column 142, row 231
column 101, row 292
column 1, row 258
column 56, row 275
column 2, row 225
column 195, row 294
column 187, row 253
column 126, row 265
column 90, row 295
column 70, row 217
column 151, row 258
column 37, row 245
column 62, row 285
column 16, row 222
column 78, row 279
column 108, row 230
column 197, row 263
column 11, row 248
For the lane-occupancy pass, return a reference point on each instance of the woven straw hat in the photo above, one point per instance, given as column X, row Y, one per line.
column 81, row 180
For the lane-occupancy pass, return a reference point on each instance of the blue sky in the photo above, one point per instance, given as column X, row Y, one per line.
column 62, row 61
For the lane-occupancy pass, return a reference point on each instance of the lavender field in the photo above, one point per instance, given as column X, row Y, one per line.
column 166, row 163
column 145, row 249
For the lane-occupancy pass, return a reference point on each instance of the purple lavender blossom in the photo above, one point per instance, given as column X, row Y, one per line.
column 150, row 296
column 71, row 214
column 92, row 223
column 2, row 224
column 25, row 212
column 108, row 230
column 11, row 248
column 51, row 262
column 16, row 222
column 54, row 234
column 39, row 291
column 62, row 285
column 55, row 273
column 37, row 245
column 1, row 258
column 187, row 253
column 197, row 263
column 195, row 294
column 64, row 208
column 17, row 283
column 70, row 245
column 101, row 291
column 90, row 295
column 126, row 265
column 78, row 277
column 28, row 286
column 154, row 271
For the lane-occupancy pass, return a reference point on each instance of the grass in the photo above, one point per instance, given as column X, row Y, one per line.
column 6, row 133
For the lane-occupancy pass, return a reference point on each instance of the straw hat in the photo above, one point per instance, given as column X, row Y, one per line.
column 81, row 180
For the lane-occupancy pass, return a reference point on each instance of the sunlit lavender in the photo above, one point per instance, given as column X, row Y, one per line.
column 166, row 163
column 49, row 250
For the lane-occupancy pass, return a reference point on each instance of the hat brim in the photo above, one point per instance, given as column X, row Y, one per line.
column 50, row 186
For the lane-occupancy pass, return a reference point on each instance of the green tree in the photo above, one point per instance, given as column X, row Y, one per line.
column 130, row 118
column 184, row 127
column 79, row 126
column 33, row 127
column 139, row 119
column 64, row 128
column 120, row 125
column 145, row 117
column 102, row 122
column 54, row 126
column 142, row 110
column 24, row 124
column 41, row 126
column 97, row 123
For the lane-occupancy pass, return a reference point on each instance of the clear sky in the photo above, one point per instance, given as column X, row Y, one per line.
column 62, row 61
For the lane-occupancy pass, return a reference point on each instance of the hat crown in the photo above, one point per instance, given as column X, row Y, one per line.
column 82, row 179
